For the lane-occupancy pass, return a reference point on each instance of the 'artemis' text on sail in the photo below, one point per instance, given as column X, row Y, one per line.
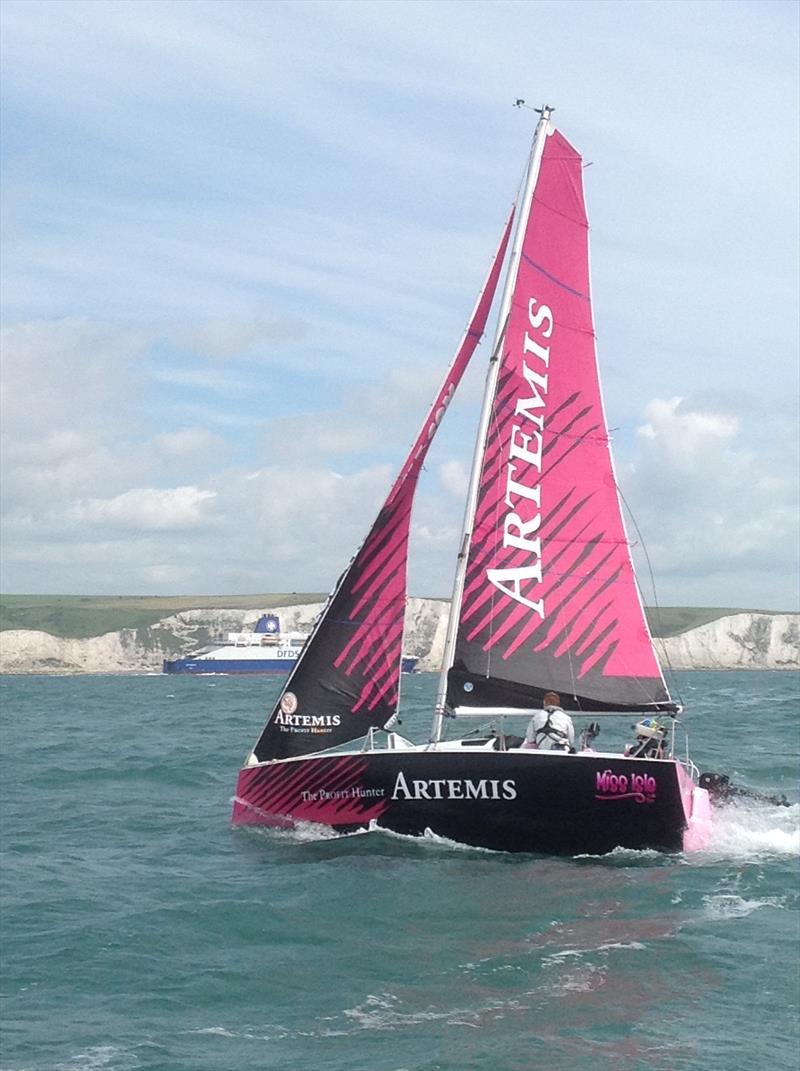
column 523, row 471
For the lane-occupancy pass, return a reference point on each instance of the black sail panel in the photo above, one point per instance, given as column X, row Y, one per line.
column 347, row 677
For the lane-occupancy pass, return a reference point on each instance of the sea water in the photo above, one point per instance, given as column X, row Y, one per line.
column 141, row 932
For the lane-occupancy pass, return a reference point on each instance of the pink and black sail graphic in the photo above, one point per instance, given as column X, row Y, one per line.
column 347, row 678
column 550, row 599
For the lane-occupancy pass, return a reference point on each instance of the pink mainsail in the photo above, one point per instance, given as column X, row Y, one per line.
column 347, row 677
column 550, row 599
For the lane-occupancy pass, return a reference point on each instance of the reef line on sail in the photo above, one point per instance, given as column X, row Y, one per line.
column 346, row 679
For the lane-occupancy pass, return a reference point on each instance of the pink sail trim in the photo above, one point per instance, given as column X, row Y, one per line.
column 378, row 573
column 325, row 791
column 548, row 436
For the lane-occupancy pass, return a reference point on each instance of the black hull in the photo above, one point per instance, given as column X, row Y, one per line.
column 520, row 801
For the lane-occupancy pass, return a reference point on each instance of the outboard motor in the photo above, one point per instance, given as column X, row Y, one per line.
column 721, row 790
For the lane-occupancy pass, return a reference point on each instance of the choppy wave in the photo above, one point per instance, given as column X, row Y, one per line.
column 573, row 953
column 312, row 832
column 142, row 934
column 428, row 838
column 741, row 831
column 749, row 830
column 101, row 1058
column 624, row 857
column 299, row 833
column 720, row 906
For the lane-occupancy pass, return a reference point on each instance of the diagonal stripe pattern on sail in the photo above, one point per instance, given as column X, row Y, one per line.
column 329, row 790
column 550, row 599
column 347, row 677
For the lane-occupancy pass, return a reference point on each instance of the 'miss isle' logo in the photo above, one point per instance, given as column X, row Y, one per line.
column 611, row 786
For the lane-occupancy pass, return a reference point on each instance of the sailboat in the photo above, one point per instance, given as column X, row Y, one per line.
column 544, row 601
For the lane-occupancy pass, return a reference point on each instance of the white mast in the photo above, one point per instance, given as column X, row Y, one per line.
column 543, row 128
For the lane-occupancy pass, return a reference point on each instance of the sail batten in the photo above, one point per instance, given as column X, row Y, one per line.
column 347, row 678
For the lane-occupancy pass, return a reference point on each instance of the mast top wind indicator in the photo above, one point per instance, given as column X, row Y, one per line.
column 545, row 111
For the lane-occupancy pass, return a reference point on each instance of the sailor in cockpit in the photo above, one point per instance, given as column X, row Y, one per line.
column 651, row 740
column 550, row 729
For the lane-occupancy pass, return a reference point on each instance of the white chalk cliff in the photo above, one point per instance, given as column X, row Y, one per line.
column 741, row 641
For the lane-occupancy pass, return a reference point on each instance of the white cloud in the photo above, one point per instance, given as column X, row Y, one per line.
column 145, row 508
column 75, row 416
column 379, row 417
column 173, row 578
column 209, row 226
column 677, row 436
column 320, row 435
column 714, row 512
column 299, row 521
column 68, row 375
column 196, row 445
column 229, row 338
column 454, row 478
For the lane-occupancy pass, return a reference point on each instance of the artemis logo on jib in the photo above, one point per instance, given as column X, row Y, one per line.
column 460, row 788
column 308, row 721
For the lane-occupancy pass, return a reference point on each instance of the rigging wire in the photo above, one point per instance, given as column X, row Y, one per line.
column 657, row 607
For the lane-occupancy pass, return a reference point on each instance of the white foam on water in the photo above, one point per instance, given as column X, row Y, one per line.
column 741, row 830
column 624, row 856
column 427, row 838
column 101, row 1056
column 582, row 970
column 559, row 958
column 754, row 830
column 487, row 965
column 299, row 833
column 583, row 980
column 218, row 1032
column 635, row 946
column 306, row 832
column 279, row 1033
column 381, row 1013
column 722, row 906
column 312, row 832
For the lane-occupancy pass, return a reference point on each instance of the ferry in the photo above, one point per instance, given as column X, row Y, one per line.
column 264, row 650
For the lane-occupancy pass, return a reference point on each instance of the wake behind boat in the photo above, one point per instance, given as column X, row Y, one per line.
column 546, row 621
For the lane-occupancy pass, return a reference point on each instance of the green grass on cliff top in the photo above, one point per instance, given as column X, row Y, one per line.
column 78, row 616
column 81, row 616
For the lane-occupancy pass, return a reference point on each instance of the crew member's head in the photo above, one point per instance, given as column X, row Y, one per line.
column 551, row 699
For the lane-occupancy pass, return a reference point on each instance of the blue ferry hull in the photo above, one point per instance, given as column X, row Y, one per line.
column 250, row 665
column 228, row 665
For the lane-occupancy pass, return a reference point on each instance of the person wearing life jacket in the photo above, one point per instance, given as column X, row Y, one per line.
column 651, row 737
column 550, row 729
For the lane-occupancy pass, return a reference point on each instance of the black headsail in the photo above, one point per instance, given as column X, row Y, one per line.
column 548, row 598
column 346, row 679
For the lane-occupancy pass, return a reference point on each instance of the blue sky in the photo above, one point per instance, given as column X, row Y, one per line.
column 241, row 241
